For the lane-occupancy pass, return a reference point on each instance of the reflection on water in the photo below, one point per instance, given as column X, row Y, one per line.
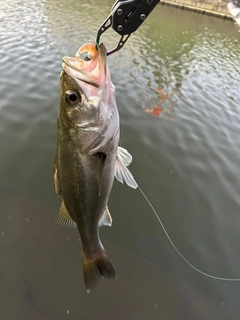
column 178, row 95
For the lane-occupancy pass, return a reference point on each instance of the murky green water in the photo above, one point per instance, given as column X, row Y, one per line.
column 184, row 68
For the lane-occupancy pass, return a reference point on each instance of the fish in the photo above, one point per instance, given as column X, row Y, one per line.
column 88, row 155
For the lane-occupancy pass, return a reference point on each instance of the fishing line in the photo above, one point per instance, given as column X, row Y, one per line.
column 176, row 249
column 94, row 39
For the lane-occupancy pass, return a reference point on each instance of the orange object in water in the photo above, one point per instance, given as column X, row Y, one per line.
column 155, row 111
column 164, row 97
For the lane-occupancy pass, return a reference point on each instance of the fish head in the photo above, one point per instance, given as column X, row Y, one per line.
column 87, row 93
column 75, row 107
column 90, row 70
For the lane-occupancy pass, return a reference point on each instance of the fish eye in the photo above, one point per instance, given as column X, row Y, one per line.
column 86, row 56
column 72, row 97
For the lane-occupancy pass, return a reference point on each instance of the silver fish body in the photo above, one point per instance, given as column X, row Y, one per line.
column 88, row 136
column 88, row 155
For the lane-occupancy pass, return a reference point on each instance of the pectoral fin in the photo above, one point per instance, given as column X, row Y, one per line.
column 64, row 218
column 106, row 219
column 122, row 173
column 124, row 156
column 110, row 132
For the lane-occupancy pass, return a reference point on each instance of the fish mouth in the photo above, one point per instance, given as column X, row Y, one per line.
column 89, row 64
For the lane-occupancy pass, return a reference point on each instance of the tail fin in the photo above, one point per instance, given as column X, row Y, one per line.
column 95, row 267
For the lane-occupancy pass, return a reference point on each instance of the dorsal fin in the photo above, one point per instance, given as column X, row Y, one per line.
column 55, row 178
column 64, row 218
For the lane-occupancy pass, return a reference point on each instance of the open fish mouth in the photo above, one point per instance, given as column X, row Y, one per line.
column 89, row 64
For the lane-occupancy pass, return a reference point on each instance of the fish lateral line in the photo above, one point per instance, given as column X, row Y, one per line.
column 176, row 249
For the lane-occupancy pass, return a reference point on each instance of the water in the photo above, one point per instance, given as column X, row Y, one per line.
column 186, row 160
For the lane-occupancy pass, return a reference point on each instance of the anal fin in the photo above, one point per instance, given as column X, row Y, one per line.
column 106, row 219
